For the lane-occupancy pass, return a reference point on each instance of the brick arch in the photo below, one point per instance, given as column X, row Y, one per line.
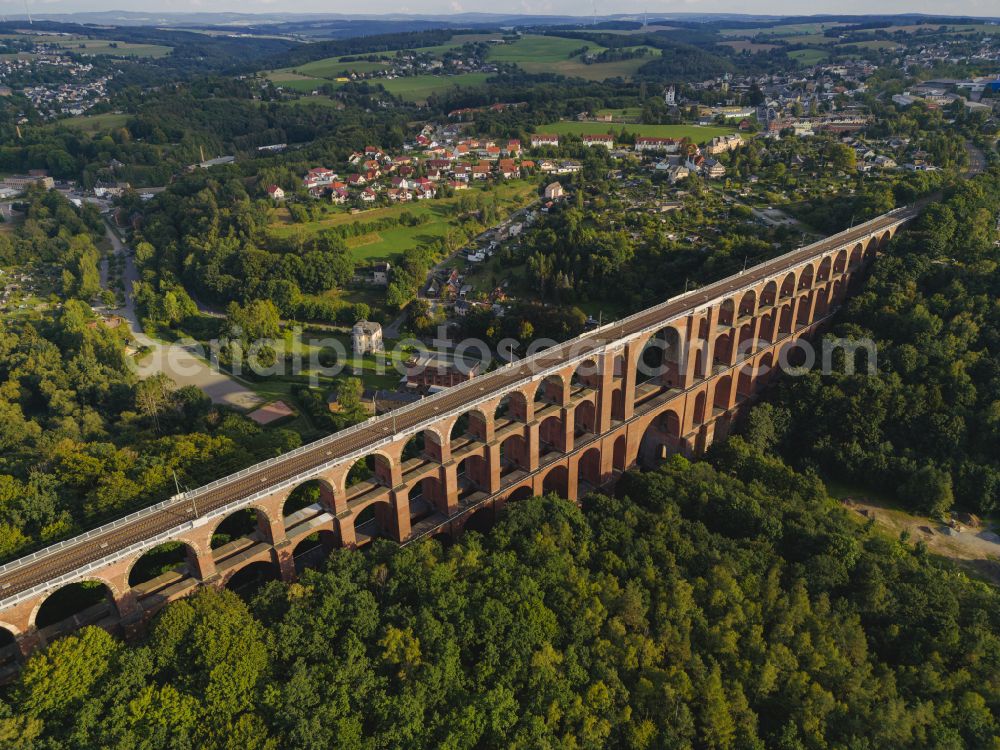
column 264, row 522
column 552, row 431
column 788, row 286
column 748, row 304
column 803, row 309
column 550, row 390
column 840, row 261
column 473, row 422
column 662, row 356
column 825, row 269
column 658, row 434
column 722, row 393
column 11, row 628
column 769, row 294
column 116, row 591
column 383, row 513
column 722, row 349
column 806, row 276
column 520, row 492
column 385, row 465
column 619, row 453
column 513, row 405
column 193, row 553
column 855, row 258
column 430, row 443
column 585, row 416
column 556, row 479
column 430, row 490
column 587, row 374
column 727, row 312
column 588, row 467
column 227, row 576
column 327, row 495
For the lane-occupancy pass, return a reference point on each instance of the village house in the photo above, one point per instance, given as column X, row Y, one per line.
column 544, row 139
column 724, row 143
column 366, row 337
column 553, row 191
column 599, row 140
column 380, row 274
column 667, row 145
column 275, row 193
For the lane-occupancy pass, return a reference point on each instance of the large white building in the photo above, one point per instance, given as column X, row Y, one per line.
column 366, row 337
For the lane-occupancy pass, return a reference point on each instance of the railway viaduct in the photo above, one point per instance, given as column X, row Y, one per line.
column 672, row 378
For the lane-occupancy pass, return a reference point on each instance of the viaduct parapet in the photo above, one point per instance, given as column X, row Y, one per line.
column 672, row 378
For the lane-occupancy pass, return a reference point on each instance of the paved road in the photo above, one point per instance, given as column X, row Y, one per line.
column 22, row 575
column 179, row 362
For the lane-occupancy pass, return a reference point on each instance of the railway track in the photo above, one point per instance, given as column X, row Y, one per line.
column 47, row 565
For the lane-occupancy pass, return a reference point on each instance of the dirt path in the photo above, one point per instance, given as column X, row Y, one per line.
column 977, row 547
column 184, row 365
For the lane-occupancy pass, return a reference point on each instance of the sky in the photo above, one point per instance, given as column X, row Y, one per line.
column 559, row 7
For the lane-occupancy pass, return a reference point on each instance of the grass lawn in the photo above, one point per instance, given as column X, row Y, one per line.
column 741, row 45
column 790, row 29
column 389, row 243
column 96, row 123
column 551, row 54
column 85, row 46
column 332, row 67
column 624, row 114
column 418, row 88
column 808, row 56
column 697, row 133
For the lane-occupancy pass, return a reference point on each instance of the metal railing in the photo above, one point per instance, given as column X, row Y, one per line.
column 565, row 357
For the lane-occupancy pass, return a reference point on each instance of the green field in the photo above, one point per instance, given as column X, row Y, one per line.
column 791, row 29
column 87, row 46
column 418, row 88
column 96, row 123
column 332, row 67
column 808, row 56
column 551, row 54
column 388, row 243
column 697, row 133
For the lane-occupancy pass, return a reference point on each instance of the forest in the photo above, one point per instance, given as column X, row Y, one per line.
column 701, row 606
column 927, row 429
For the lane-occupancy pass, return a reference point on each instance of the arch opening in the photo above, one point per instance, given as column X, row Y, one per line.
column 247, row 523
column 513, row 455
column 313, row 550
column 748, row 304
column 585, row 418
column 589, row 471
column 75, row 605
column 315, row 492
column 557, row 481
column 513, row 408
column 481, row 520
column 549, row 391
column 171, row 560
column 587, row 375
column 727, row 313
column 661, row 438
column 468, row 426
column 373, row 521
column 425, row 445
column 426, row 498
column 551, row 435
column 619, row 459
column 249, row 579
column 368, row 472
column 662, row 358
column 769, row 295
column 473, row 477
column 787, row 286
